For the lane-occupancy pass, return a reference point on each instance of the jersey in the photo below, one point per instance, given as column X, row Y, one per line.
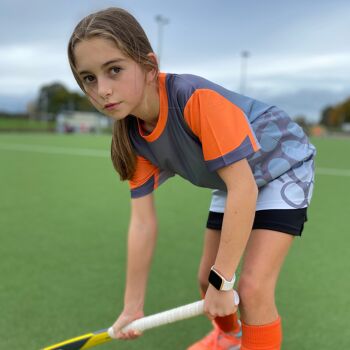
column 203, row 127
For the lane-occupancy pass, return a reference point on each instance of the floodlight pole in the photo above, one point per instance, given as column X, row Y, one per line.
column 243, row 83
column 162, row 21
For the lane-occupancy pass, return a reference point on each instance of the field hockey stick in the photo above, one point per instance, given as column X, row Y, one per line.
column 89, row 340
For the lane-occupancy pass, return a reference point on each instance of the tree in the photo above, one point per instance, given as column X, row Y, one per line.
column 346, row 106
column 335, row 116
column 326, row 116
column 302, row 122
column 56, row 98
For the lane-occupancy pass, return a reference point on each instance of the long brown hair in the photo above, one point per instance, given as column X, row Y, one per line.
column 124, row 30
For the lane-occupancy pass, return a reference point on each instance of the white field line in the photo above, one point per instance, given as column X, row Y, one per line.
column 105, row 154
column 54, row 150
column 332, row 171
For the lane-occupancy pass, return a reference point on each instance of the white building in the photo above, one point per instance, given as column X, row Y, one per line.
column 81, row 122
column 346, row 127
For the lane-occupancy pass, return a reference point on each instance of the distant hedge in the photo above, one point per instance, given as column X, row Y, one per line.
column 26, row 125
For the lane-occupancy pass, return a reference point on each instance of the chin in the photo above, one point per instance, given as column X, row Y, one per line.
column 117, row 116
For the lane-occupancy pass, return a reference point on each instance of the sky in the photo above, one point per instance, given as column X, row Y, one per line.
column 299, row 52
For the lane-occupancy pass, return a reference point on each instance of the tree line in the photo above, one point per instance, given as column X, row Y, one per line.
column 335, row 116
column 56, row 98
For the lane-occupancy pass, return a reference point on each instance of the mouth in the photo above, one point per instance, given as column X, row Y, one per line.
column 111, row 106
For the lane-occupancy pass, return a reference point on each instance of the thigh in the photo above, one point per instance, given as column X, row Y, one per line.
column 262, row 262
column 264, row 255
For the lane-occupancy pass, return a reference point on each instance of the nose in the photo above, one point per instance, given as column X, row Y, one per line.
column 104, row 88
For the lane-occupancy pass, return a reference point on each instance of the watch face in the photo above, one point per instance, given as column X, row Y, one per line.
column 214, row 279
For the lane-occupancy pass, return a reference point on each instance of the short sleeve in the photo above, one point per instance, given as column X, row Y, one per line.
column 222, row 127
column 147, row 178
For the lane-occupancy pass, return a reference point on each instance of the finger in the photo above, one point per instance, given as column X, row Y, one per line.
column 132, row 334
column 116, row 331
column 135, row 335
column 120, row 335
column 210, row 316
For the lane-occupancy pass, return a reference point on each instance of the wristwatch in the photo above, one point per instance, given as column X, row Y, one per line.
column 219, row 282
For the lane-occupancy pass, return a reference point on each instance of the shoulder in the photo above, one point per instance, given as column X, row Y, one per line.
column 182, row 87
column 189, row 82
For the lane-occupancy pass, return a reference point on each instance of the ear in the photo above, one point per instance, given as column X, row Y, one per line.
column 153, row 72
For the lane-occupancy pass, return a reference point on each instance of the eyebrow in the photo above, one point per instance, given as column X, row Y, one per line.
column 116, row 60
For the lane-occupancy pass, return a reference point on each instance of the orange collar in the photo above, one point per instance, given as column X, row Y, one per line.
column 163, row 112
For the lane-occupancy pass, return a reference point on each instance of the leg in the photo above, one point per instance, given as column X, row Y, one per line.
column 210, row 249
column 263, row 259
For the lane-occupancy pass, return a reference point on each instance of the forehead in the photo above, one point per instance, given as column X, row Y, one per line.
column 93, row 53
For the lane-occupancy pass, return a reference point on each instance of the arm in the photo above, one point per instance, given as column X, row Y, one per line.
column 239, row 214
column 141, row 243
column 237, row 224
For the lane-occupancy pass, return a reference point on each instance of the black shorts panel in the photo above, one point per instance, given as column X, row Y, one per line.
column 289, row 221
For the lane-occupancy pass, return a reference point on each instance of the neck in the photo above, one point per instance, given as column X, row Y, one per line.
column 150, row 107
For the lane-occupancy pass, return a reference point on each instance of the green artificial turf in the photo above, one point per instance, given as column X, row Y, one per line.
column 63, row 224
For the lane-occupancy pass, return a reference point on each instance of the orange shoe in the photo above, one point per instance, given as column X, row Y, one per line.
column 218, row 340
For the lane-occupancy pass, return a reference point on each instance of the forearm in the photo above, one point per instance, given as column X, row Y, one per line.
column 141, row 244
column 237, row 224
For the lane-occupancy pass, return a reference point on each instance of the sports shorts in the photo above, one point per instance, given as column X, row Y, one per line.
column 281, row 204
column 289, row 221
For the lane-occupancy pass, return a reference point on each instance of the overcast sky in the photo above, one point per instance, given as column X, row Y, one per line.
column 299, row 50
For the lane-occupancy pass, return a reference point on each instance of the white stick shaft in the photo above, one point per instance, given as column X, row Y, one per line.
column 165, row 317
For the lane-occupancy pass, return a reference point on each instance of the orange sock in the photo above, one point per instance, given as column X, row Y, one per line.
column 228, row 323
column 265, row 337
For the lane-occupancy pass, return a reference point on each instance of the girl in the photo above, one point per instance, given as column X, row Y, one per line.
column 256, row 159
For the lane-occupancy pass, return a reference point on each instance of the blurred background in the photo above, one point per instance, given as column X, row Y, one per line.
column 294, row 55
column 64, row 213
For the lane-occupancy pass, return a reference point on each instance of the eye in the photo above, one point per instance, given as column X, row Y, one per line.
column 115, row 70
column 88, row 79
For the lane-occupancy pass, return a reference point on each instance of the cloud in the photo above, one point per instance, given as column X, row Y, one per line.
column 299, row 47
column 307, row 102
column 278, row 72
column 23, row 69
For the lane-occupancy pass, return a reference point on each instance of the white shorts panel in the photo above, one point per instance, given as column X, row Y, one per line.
column 292, row 190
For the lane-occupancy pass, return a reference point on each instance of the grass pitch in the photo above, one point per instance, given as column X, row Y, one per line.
column 63, row 222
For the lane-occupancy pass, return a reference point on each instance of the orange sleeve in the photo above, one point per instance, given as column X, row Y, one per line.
column 145, row 178
column 221, row 126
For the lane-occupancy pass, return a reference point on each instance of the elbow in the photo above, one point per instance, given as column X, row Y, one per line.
column 254, row 190
column 248, row 190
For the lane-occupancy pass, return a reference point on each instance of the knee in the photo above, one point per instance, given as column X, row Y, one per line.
column 255, row 292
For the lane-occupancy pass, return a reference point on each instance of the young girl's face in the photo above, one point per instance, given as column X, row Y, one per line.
column 114, row 83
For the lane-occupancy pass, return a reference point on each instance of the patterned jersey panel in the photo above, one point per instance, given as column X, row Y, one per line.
column 284, row 146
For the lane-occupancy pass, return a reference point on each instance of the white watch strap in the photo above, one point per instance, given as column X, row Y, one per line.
column 228, row 285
